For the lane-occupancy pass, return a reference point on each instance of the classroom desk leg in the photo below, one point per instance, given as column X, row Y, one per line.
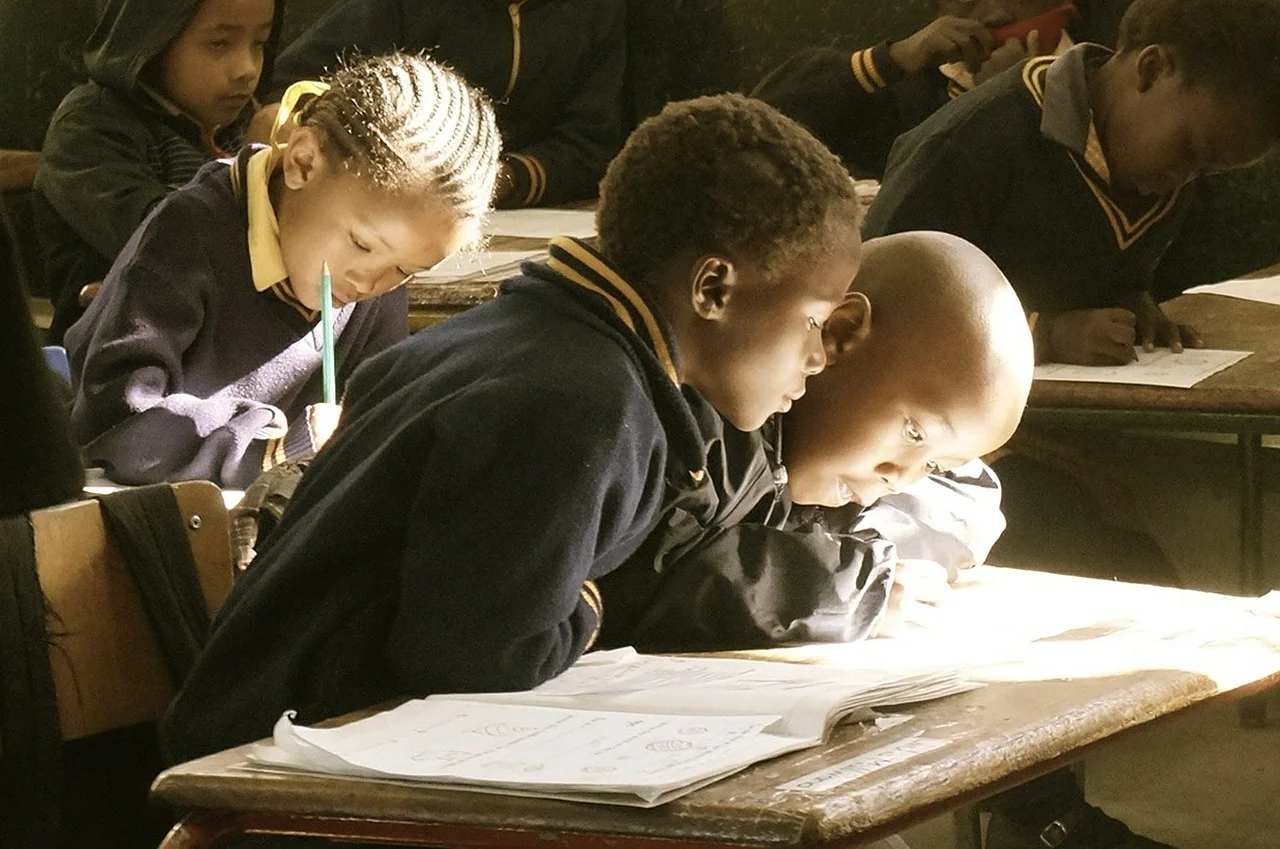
column 1253, row 709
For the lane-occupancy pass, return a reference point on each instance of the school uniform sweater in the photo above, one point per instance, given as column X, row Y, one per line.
column 487, row 471
column 733, row 564
column 184, row 370
column 553, row 69
column 115, row 146
column 1016, row 168
column 855, row 103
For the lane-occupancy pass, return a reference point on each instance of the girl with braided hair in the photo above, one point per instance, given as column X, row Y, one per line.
column 201, row 356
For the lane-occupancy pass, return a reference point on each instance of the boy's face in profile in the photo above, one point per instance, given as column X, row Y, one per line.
column 756, row 361
column 1163, row 132
column 211, row 69
column 371, row 240
column 875, row 423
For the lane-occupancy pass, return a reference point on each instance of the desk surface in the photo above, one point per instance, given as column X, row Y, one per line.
column 1072, row 662
column 1250, row 386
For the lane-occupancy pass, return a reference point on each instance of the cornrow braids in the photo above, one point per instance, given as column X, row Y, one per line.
column 1231, row 45
column 408, row 124
column 726, row 174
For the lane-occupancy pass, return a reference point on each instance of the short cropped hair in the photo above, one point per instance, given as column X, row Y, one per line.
column 409, row 125
column 724, row 174
column 1231, row 45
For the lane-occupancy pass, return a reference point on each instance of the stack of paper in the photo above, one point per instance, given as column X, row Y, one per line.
column 617, row 727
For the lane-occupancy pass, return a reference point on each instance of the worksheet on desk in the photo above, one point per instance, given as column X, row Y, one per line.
column 1265, row 290
column 541, row 223
column 1160, row 367
column 479, row 264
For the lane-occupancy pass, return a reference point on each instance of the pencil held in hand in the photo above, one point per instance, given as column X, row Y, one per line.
column 326, row 336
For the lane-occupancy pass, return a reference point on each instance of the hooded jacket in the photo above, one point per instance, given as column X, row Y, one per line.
column 553, row 69
column 112, row 150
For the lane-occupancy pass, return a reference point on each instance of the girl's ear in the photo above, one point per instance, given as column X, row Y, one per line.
column 303, row 158
column 847, row 328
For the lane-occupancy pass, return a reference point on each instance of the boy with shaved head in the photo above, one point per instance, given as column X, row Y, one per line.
column 928, row 366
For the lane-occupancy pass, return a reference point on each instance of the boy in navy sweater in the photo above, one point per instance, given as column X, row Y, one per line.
column 797, row 532
column 171, row 86
column 490, row 469
column 1074, row 173
column 553, row 68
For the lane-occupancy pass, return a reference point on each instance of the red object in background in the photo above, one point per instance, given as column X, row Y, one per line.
column 1049, row 25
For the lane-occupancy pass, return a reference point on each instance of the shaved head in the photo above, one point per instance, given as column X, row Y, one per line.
column 929, row 366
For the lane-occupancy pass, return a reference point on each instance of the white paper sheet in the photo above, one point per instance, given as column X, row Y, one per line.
column 1161, row 367
column 478, row 264
column 1263, row 289
column 534, row 748
column 541, row 223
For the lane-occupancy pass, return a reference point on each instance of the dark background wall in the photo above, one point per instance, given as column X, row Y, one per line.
column 681, row 48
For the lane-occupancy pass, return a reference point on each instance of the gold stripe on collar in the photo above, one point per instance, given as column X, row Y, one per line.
column 1033, row 74
column 1126, row 231
column 634, row 301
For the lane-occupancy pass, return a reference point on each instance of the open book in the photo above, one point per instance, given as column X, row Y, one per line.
column 617, row 727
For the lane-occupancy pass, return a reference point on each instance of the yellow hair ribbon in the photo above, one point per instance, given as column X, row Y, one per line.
column 289, row 105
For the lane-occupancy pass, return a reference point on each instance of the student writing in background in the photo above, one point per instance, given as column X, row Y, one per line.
column 201, row 356
column 1074, row 173
column 171, row 85
column 490, row 469
column 858, row 103
column 553, row 69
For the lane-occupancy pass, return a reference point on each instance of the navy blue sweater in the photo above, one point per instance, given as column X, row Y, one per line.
column 486, row 471
column 181, row 366
column 1011, row 167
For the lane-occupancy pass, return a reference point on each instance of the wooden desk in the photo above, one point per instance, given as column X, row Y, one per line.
column 1243, row 400
column 1116, row 657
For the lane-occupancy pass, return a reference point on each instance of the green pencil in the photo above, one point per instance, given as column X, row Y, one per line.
column 326, row 336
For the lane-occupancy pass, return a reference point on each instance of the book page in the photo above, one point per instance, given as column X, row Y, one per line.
column 547, row 749
column 809, row 699
column 541, row 223
column 480, row 264
column 1160, row 367
column 1265, row 290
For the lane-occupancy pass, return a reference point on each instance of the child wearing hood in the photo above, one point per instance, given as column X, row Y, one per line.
column 171, row 87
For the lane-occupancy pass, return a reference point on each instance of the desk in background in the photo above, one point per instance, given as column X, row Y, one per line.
column 1071, row 663
column 1243, row 400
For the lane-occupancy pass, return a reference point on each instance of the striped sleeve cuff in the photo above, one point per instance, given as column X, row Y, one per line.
column 591, row 595
column 529, row 179
column 874, row 68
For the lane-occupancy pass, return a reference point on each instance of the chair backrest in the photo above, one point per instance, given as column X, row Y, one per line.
column 107, row 666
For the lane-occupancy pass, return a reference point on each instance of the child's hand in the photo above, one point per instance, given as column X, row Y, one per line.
column 1007, row 55
column 259, row 129
column 946, row 39
column 1156, row 328
column 322, row 421
column 918, row 585
column 1093, row 337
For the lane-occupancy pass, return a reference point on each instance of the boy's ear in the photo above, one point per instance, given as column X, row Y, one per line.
column 847, row 328
column 711, row 285
column 302, row 158
column 1154, row 61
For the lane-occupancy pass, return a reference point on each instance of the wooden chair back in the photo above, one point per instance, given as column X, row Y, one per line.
column 107, row 666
